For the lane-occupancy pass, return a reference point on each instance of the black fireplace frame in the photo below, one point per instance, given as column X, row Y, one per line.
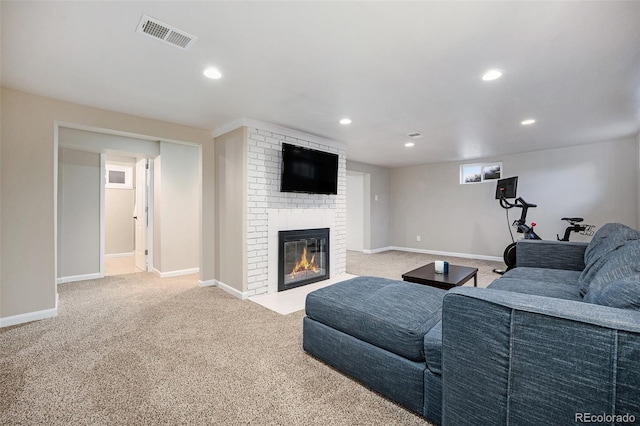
column 299, row 234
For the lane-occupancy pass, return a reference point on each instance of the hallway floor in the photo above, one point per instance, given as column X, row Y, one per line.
column 120, row 266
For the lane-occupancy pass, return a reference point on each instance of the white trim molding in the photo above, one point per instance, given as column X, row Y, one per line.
column 237, row 293
column 207, row 283
column 74, row 278
column 177, row 273
column 28, row 317
column 378, row 250
column 115, row 255
column 448, row 253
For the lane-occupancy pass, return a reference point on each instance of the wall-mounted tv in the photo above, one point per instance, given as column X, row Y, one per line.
column 507, row 188
column 308, row 170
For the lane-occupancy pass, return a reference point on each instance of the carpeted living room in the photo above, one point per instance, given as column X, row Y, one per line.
column 138, row 349
column 312, row 212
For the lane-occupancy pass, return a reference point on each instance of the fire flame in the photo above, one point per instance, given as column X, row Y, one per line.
column 304, row 265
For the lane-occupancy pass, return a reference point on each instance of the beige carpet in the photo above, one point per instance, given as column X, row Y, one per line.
column 136, row 349
column 392, row 264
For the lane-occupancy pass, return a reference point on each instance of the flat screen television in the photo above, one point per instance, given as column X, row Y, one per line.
column 507, row 188
column 308, row 170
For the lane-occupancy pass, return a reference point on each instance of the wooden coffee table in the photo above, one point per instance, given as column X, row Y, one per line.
column 456, row 276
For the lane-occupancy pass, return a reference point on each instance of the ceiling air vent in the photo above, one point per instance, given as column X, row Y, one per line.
column 166, row 33
column 415, row 135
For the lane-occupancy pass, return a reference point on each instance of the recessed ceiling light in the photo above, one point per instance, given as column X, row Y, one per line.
column 213, row 73
column 345, row 121
column 409, row 144
column 491, row 75
column 528, row 122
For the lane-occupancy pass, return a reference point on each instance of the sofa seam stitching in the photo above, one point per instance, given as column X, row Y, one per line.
column 614, row 373
column 510, row 373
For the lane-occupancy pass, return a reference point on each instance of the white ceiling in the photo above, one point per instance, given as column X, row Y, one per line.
column 393, row 67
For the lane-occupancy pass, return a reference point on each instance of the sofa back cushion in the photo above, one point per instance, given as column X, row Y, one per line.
column 607, row 240
column 621, row 293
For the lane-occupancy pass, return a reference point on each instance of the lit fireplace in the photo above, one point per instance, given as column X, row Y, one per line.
column 303, row 257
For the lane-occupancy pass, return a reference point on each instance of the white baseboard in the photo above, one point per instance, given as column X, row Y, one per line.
column 207, row 283
column 448, row 253
column 237, row 293
column 176, row 273
column 378, row 250
column 28, row 317
column 114, row 255
column 74, row 278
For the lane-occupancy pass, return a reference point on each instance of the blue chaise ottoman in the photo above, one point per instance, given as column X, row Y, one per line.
column 373, row 329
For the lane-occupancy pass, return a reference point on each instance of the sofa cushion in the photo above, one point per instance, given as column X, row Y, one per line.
column 560, row 276
column 606, row 240
column 619, row 263
column 621, row 293
column 558, row 290
column 393, row 315
column 433, row 348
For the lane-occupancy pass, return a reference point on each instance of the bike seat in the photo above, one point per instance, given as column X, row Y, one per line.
column 573, row 219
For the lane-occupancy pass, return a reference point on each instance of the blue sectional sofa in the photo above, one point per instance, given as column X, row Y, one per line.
column 554, row 341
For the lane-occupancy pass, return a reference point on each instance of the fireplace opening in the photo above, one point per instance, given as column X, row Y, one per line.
column 303, row 257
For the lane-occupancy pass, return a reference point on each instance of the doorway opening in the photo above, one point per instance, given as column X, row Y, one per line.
column 126, row 215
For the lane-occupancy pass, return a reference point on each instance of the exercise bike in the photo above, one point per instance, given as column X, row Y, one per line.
column 521, row 226
column 574, row 226
column 507, row 189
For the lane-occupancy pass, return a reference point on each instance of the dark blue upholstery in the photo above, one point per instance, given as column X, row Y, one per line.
column 393, row 315
column 538, row 287
column 555, row 337
column 510, row 358
column 387, row 373
column 559, row 276
column 433, row 348
column 605, row 247
column 622, row 293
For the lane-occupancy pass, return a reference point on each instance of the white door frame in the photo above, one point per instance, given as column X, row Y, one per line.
column 140, row 250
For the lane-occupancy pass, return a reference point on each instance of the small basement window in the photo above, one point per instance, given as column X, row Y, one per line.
column 119, row 177
column 480, row 172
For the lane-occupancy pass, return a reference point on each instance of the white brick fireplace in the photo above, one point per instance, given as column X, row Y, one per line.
column 268, row 210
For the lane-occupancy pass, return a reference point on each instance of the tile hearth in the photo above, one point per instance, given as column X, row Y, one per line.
column 286, row 302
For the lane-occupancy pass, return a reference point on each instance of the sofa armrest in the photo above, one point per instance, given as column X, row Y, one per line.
column 510, row 358
column 551, row 254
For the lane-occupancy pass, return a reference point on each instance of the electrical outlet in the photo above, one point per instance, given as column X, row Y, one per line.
column 375, row 197
column 418, row 238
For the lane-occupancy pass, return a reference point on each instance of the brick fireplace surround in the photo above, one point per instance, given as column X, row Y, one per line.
column 268, row 210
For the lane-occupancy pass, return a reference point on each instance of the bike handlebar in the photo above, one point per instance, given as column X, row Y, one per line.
column 520, row 202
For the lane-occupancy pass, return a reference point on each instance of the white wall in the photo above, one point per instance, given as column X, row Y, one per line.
column 597, row 182
column 78, row 213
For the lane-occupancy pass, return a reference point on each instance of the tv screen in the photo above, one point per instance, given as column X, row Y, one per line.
column 308, row 170
column 507, row 188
